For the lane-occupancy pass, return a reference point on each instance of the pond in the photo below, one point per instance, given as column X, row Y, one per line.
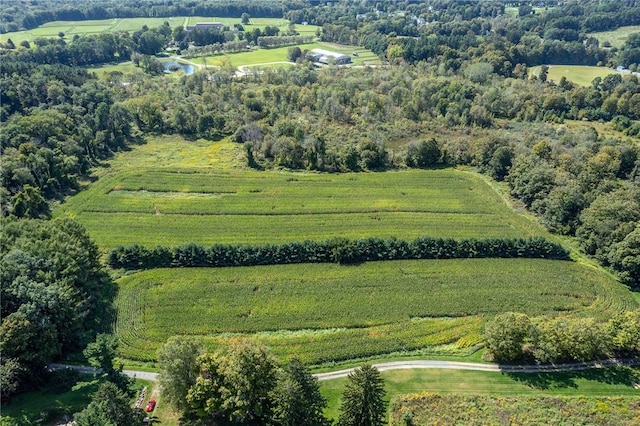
column 172, row 66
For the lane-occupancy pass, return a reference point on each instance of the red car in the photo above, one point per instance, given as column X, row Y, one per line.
column 150, row 405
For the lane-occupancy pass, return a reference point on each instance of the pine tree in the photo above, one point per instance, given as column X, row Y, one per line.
column 362, row 403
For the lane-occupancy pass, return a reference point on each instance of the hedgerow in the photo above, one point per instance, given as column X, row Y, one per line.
column 343, row 251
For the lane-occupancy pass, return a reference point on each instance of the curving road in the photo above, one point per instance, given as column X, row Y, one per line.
column 414, row 364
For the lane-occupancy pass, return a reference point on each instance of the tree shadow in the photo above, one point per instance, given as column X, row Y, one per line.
column 568, row 379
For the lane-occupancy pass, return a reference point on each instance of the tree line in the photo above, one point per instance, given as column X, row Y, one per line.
column 55, row 297
column 341, row 251
column 514, row 337
column 449, row 32
column 245, row 384
column 57, row 122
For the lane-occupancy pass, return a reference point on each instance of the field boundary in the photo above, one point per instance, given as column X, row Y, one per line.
column 339, row 250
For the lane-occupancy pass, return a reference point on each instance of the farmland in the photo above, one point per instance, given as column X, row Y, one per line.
column 321, row 313
column 172, row 192
column 174, row 207
column 70, row 28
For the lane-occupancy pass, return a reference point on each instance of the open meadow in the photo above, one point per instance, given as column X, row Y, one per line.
column 70, row 28
column 578, row 74
column 617, row 37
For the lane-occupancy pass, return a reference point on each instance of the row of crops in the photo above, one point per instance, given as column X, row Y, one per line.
column 180, row 206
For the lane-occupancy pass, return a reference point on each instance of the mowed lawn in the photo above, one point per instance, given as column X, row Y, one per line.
column 616, row 37
column 279, row 54
column 578, row 74
column 320, row 312
column 70, row 28
column 588, row 384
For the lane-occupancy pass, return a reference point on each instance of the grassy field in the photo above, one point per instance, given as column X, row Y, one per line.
column 70, row 28
column 578, row 74
column 591, row 383
column 277, row 54
column 617, row 37
column 32, row 405
column 194, row 194
column 48, row 406
column 322, row 313
column 433, row 409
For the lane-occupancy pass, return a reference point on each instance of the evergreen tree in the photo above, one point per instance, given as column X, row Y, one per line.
column 297, row 398
column 362, row 403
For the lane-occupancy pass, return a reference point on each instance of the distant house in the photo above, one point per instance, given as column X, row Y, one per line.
column 323, row 57
column 206, row 26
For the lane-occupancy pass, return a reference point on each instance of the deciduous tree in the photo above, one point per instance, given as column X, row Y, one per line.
column 178, row 369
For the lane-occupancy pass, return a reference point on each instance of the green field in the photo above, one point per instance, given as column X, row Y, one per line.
column 70, row 28
column 592, row 383
column 172, row 192
column 48, row 406
column 207, row 205
column 578, row 74
column 278, row 54
column 617, row 37
column 322, row 313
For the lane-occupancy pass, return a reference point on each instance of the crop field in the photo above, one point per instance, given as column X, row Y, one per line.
column 172, row 192
column 322, row 313
column 617, row 37
column 578, row 74
column 177, row 206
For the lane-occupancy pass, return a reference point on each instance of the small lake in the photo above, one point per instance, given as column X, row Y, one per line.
column 172, row 66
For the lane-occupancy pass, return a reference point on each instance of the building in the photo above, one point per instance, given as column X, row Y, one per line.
column 206, row 26
column 323, row 57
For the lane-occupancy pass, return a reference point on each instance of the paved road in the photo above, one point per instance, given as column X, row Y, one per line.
column 413, row 364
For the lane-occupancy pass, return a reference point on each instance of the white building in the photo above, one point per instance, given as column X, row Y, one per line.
column 206, row 26
column 326, row 57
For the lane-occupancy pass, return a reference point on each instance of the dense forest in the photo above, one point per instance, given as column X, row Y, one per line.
column 55, row 297
column 455, row 89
